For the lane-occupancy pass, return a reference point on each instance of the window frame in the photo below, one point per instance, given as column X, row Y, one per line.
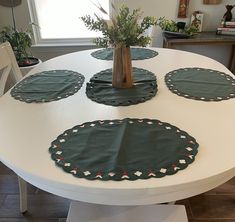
column 39, row 41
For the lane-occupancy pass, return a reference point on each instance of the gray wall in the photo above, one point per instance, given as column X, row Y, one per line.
column 167, row 8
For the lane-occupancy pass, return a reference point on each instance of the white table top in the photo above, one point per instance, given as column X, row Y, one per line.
column 26, row 131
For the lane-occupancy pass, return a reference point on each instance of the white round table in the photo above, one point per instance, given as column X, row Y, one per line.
column 27, row 131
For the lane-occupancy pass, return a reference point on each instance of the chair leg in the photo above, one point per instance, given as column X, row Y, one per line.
column 23, row 194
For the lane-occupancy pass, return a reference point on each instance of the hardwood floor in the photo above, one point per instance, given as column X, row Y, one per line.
column 217, row 205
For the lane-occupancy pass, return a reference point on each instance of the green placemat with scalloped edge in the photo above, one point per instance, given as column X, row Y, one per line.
column 48, row 86
column 201, row 84
column 100, row 89
column 125, row 149
column 136, row 54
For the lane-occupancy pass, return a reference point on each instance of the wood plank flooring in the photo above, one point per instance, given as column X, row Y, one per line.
column 217, row 205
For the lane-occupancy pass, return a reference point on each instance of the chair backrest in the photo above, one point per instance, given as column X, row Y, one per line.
column 8, row 65
column 149, row 32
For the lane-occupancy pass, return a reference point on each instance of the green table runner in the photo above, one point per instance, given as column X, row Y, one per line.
column 201, row 84
column 48, row 86
column 123, row 149
column 136, row 54
column 100, row 89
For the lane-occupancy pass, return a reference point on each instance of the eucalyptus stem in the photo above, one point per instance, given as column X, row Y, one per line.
column 125, row 27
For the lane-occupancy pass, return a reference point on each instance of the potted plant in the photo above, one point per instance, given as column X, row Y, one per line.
column 20, row 40
column 124, row 29
column 174, row 29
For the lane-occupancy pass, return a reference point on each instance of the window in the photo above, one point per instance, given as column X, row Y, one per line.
column 59, row 21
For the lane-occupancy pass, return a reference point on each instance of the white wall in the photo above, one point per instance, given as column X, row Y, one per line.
column 212, row 13
column 158, row 8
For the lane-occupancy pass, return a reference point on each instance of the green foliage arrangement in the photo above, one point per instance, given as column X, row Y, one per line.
column 171, row 26
column 20, row 41
column 123, row 28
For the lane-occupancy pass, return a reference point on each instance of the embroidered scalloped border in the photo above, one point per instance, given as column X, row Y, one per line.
column 127, row 102
column 151, row 52
column 176, row 91
column 186, row 157
column 78, row 84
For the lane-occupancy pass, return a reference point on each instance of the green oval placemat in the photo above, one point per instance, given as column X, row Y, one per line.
column 100, row 89
column 201, row 84
column 128, row 149
column 136, row 54
column 48, row 86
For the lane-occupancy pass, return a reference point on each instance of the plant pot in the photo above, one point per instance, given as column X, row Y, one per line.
column 122, row 67
column 29, row 61
column 27, row 67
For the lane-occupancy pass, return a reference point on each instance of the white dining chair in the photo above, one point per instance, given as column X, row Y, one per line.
column 10, row 68
column 149, row 32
